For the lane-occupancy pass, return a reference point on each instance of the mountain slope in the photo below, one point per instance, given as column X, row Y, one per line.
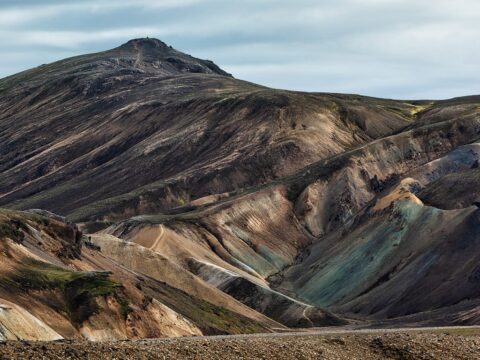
column 55, row 284
column 153, row 133
column 227, row 205
column 334, row 233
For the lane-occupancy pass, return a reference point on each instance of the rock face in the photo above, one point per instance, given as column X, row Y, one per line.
column 221, row 206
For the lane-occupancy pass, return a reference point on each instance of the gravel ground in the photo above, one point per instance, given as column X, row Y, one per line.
column 381, row 345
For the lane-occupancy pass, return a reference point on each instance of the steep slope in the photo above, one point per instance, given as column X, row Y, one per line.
column 52, row 285
column 395, row 256
column 395, row 259
column 454, row 191
column 226, row 261
column 145, row 261
column 16, row 323
column 153, row 129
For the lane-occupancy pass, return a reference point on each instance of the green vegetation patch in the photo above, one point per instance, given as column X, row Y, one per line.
column 9, row 230
column 210, row 318
column 79, row 289
column 125, row 308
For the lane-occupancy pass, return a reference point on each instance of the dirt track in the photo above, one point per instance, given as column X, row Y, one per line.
column 432, row 343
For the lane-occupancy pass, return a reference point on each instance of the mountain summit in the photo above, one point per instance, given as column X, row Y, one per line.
column 137, row 57
column 149, row 52
column 145, row 43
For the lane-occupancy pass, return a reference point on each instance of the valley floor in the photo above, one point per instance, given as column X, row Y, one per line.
column 426, row 343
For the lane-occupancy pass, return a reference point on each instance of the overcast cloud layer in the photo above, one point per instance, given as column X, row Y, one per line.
column 406, row 49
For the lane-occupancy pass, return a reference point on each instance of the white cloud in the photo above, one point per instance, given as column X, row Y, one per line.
column 18, row 15
column 73, row 39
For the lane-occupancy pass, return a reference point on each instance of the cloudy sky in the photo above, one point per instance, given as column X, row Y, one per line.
column 388, row 48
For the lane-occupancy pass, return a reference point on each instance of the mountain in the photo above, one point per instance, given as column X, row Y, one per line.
column 228, row 205
column 153, row 129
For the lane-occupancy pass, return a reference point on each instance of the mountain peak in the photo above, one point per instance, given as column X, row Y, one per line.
column 151, row 51
column 145, row 43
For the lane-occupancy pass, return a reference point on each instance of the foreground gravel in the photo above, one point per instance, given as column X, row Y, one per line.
column 339, row 346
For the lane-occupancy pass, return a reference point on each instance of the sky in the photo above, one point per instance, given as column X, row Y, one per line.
column 403, row 49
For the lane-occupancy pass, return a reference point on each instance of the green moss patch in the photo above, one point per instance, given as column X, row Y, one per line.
column 125, row 308
column 79, row 289
column 9, row 230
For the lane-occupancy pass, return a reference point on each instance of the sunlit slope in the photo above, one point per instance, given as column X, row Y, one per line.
column 55, row 283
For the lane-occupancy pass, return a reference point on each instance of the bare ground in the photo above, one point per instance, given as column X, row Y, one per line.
column 432, row 343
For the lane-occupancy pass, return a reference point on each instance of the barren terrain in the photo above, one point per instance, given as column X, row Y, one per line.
column 149, row 194
column 440, row 343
